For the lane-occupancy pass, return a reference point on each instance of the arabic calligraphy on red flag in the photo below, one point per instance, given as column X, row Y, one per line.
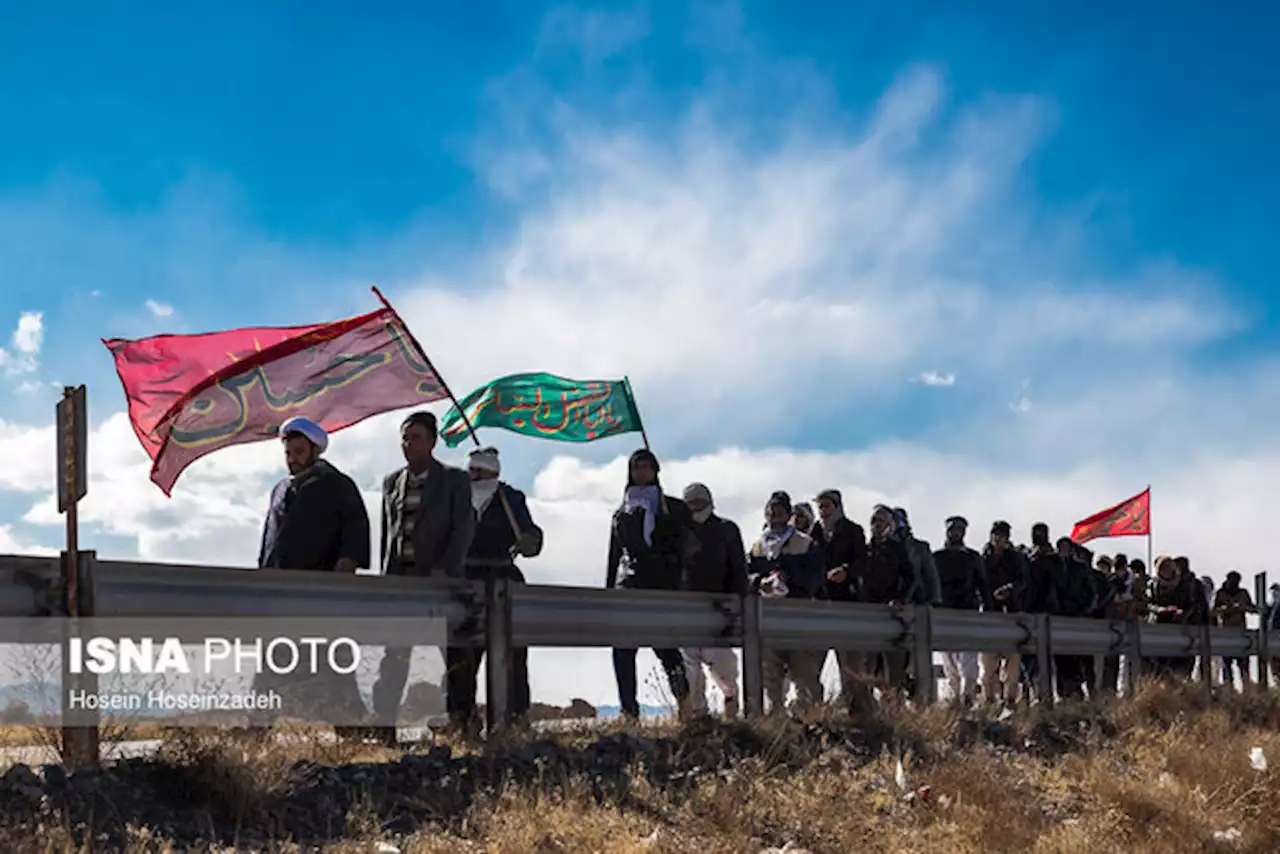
column 190, row 395
column 1129, row 518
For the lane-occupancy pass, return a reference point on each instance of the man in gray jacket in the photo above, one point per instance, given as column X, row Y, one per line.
column 428, row 523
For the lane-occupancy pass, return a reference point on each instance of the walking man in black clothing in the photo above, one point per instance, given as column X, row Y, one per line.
column 504, row 528
column 718, row 565
column 887, row 579
column 1007, row 582
column 1042, row 595
column 316, row 521
column 843, row 545
column 962, row 578
column 1077, row 597
column 650, row 543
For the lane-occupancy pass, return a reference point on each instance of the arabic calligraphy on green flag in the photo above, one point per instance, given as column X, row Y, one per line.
column 546, row 406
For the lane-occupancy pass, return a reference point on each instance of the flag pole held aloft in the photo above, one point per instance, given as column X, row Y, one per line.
column 190, row 395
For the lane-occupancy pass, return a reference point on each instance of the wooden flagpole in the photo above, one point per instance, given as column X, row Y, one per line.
column 471, row 431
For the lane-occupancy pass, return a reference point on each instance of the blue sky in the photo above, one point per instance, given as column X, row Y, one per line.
column 985, row 258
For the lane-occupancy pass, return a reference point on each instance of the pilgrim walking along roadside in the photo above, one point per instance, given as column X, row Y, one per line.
column 428, row 523
column 650, row 544
column 316, row 521
column 504, row 528
column 785, row 563
column 718, row 565
column 843, row 545
column 962, row 579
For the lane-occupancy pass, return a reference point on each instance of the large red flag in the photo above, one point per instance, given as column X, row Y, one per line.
column 190, row 395
column 1129, row 518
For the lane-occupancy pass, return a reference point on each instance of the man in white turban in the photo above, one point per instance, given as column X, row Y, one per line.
column 316, row 521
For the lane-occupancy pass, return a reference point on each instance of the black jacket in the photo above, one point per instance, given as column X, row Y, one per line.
column 315, row 520
column 1008, row 569
column 490, row 552
column 1047, row 572
column 1078, row 592
column 962, row 575
column 661, row 564
column 846, row 546
column 719, row 560
column 887, row 574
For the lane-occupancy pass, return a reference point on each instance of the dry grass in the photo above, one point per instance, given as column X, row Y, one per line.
column 1161, row 773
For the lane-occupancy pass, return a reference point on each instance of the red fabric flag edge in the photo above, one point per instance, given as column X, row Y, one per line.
column 1091, row 529
column 307, row 336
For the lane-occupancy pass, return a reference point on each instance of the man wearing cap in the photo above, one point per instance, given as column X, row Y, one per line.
column 843, row 545
column 504, row 528
column 651, row 544
column 1007, row 582
column 428, row 523
column 718, row 565
column 962, row 576
column 785, row 562
column 316, row 521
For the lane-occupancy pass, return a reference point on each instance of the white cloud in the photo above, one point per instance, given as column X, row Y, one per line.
column 23, row 354
column 933, row 378
column 159, row 309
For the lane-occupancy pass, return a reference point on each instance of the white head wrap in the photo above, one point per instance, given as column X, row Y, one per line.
column 486, row 459
column 308, row 428
column 700, row 492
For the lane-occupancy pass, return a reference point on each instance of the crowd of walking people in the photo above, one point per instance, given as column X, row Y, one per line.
column 438, row 520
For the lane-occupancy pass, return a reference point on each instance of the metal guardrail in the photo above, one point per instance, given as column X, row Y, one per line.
column 502, row 616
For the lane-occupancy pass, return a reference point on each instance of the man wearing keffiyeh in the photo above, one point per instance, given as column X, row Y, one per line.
column 650, row 545
column 787, row 563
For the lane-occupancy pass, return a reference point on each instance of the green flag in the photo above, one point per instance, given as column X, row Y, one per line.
column 547, row 406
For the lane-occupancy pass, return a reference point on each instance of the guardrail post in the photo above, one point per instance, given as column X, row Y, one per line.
column 752, row 655
column 1133, row 658
column 498, row 655
column 926, row 684
column 1206, row 659
column 1264, row 631
column 1044, row 661
column 80, row 747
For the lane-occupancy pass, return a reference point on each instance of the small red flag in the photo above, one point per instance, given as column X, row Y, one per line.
column 1129, row 518
column 190, row 395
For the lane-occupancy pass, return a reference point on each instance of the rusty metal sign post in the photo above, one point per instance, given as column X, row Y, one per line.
column 79, row 744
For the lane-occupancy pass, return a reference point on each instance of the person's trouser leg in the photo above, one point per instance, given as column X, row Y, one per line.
column 990, row 664
column 462, row 664
column 855, row 679
column 723, row 665
column 673, row 663
column 521, row 698
column 1011, row 676
column 895, row 666
column 388, row 690
column 624, row 671
column 951, row 668
column 804, row 669
column 969, row 676
column 1108, row 684
column 693, row 661
column 774, row 673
